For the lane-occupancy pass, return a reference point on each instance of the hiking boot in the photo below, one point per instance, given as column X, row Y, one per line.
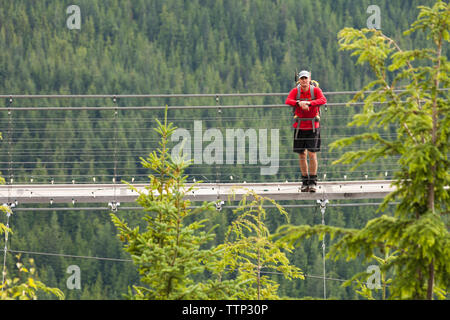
column 312, row 183
column 305, row 184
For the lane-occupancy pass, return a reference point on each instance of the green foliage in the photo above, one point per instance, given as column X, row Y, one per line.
column 6, row 210
column 364, row 289
column 169, row 252
column 22, row 288
column 135, row 47
column 26, row 286
column 415, row 244
column 420, row 112
column 416, row 236
column 249, row 250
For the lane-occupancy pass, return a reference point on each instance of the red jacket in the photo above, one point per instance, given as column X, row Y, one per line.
column 313, row 108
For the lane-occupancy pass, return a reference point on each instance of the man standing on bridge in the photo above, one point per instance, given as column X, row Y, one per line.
column 306, row 100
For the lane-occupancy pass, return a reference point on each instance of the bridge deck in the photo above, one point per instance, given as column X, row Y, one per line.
column 104, row 193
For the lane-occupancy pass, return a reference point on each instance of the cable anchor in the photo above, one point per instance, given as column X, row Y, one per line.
column 219, row 205
column 114, row 206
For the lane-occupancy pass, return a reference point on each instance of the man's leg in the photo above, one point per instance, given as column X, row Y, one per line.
column 312, row 171
column 302, row 160
column 312, row 163
column 303, row 163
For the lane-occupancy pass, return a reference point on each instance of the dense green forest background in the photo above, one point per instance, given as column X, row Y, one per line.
column 171, row 47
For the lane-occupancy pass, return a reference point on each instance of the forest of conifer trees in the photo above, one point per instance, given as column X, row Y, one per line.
column 171, row 47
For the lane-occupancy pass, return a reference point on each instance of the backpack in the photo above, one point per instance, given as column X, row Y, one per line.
column 312, row 85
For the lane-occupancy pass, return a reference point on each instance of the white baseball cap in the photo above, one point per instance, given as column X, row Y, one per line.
column 304, row 73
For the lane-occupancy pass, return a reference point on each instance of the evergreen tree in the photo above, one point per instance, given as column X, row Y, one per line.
column 249, row 250
column 129, row 47
column 169, row 252
column 415, row 242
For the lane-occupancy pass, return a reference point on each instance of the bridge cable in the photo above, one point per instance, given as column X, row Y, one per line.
column 10, row 149
column 323, row 205
column 114, row 204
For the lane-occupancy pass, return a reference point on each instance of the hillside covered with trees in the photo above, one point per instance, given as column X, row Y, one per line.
column 172, row 47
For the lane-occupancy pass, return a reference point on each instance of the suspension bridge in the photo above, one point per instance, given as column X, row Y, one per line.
column 106, row 193
column 44, row 140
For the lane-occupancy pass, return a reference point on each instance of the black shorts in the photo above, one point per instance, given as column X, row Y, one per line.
column 306, row 139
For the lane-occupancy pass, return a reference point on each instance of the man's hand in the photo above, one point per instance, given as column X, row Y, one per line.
column 303, row 104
